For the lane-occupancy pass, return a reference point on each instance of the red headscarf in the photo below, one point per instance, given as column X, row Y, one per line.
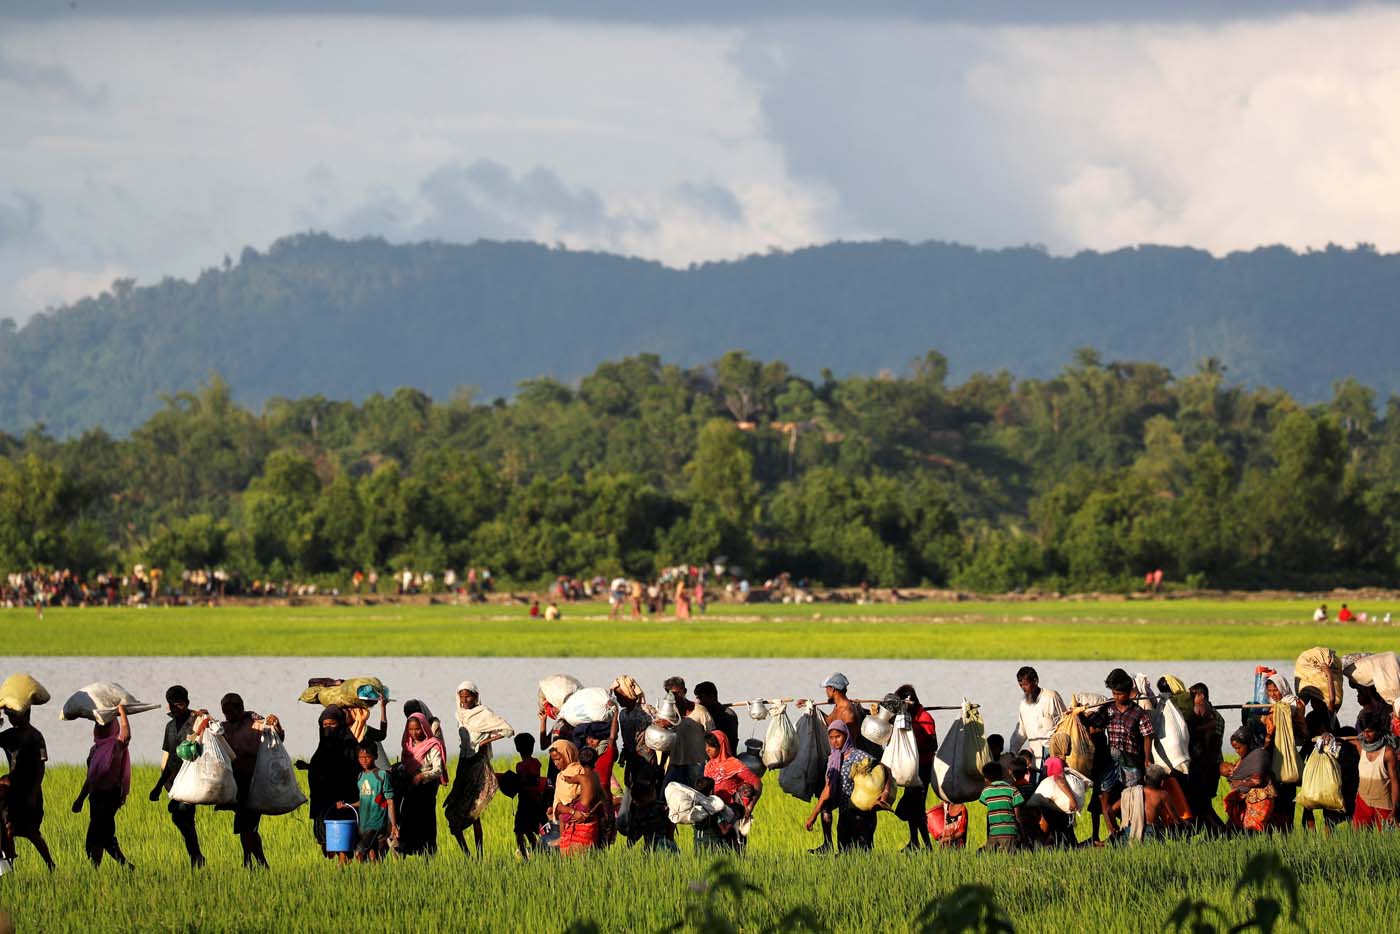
column 415, row 754
column 727, row 772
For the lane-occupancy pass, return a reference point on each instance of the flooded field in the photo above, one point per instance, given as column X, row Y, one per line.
column 272, row 685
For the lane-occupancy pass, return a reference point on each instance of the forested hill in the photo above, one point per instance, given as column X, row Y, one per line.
column 316, row 315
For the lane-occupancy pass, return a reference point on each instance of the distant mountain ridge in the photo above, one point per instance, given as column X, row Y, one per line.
column 345, row 319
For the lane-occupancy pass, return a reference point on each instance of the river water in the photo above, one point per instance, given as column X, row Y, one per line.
column 509, row 685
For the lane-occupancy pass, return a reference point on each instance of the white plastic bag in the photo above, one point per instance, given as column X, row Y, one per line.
column 208, row 779
column 1049, row 793
column 556, row 689
column 274, row 788
column 1171, row 747
column 99, row 701
column 685, row 805
column 588, row 705
column 780, row 740
column 901, row 757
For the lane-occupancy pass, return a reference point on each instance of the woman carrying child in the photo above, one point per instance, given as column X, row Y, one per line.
column 735, row 785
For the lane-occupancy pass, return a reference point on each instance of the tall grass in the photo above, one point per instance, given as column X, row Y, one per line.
column 1053, row 630
column 1349, row 879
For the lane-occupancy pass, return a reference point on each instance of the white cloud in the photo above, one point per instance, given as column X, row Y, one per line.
column 52, row 286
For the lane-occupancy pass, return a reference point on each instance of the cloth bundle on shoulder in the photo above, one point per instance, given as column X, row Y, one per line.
column 208, row 779
column 1319, row 673
column 99, row 701
column 20, row 692
column 274, row 788
column 957, row 766
column 1049, row 792
column 1079, row 746
column 352, row 692
column 805, row 776
column 1285, row 759
column 780, row 739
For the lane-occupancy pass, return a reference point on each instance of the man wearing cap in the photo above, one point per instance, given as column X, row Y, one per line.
column 177, row 700
column 849, row 713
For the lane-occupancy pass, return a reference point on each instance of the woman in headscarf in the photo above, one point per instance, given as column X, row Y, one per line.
column 475, row 785
column 577, row 799
column 334, row 770
column 423, row 768
column 1250, row 803
column 1279, row 691
column 735, row 785
column 855, row 828
column 108, row 782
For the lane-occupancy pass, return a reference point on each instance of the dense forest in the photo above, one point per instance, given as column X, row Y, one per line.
column 349, row 319
column 1078, row 481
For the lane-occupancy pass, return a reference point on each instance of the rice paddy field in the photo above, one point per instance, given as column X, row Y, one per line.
column 1347, row 880
column 1051, row 629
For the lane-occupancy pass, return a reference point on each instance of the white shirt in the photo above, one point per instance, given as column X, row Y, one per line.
column 1037, row 722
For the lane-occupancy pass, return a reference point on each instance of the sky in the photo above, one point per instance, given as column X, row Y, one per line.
column 140, row 140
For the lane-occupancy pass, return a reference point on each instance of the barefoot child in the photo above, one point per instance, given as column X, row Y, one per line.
column 379, row 821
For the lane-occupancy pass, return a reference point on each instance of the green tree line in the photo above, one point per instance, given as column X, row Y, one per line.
column 1080, row 481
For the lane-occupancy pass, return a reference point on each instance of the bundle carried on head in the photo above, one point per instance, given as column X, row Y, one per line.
column 20, row 692
column 99, row 702
column 351, row 692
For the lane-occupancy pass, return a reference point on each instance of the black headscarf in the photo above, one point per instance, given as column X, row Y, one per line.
column 335, row 766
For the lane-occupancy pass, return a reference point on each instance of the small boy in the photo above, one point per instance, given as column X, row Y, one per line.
column 530, row 796
column 648, row 821
column 379, row 820
column 1003, row 803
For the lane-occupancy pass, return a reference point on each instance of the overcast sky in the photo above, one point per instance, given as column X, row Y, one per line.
column 147, row 142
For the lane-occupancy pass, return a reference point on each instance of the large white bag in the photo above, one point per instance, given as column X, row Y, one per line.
column 685, row 805
column 1049, row 793
column 780, row 739
column 588, row 705
column 901, row 757
column 556, row 689
column 208, row 779
column 1380, row 671
column 957, row 766
column 1172, row 745
column 274, row 788
column 99, row 701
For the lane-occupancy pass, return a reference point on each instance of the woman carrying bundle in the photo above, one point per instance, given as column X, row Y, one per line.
column 735, row 785
column 108, row 782
column 423, row 770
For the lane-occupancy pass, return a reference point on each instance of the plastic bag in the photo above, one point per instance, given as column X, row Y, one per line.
column 1079, row 752
column 20, row 692
column 805, row 776
column 1322, row 782
column 1285, row 759
column 685, row 805
column 587, row 705
column 780, row 739
column 274, row 788
column 99, row 700
column 868, row 783
column 902, row 758
column 1171, row 746
column 1049, row 793
column 556, row 689
column 208, row 779
column 957, row 766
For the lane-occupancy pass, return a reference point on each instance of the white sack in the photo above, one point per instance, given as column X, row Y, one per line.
column 685, row 805
column 208, row 779
column 99, row 701
column 556, row 689
column 588, row 705
column 274, row 788
column 901, row 757
column 1172, row 745
column 780, row 739
column 1049, row 793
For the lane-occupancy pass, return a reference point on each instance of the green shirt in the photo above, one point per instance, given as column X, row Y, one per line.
column 375, row 795
column 1001, row 801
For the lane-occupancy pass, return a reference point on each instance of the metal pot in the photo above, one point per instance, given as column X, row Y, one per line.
column 758, row 710
column 659, row 738
column 877, row 729
column 752, row 757
column 666, row 709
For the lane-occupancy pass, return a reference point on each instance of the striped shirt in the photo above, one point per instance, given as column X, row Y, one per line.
column 1001, row 801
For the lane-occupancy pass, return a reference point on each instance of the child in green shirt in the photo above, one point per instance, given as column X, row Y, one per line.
column 379, row 820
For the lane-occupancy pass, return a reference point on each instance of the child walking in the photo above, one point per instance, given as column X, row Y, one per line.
column 379, row 821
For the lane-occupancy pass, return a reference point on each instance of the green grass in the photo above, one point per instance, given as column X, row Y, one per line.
column 1348, row 880
column 1146, row 630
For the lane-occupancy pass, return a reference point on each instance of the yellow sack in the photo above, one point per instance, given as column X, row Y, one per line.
column 1180, row 696
column 1285, row 764
column 1319, row 672
column 868, row 780
column 346, row 694
column 1072, row 743
column 1322, row 783
column 20, row 692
